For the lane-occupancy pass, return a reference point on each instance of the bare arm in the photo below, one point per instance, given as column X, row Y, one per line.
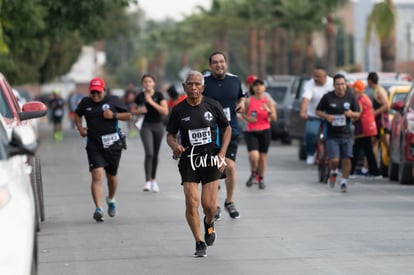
column 304, row 108
column 78, row 121
column 176, row 147
column 225, row 144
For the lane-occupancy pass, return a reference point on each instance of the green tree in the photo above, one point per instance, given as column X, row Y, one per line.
column 382, row 21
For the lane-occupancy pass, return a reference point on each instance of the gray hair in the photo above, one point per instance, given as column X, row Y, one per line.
column 196, row 73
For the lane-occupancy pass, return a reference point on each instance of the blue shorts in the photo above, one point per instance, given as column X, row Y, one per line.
column 339, row 148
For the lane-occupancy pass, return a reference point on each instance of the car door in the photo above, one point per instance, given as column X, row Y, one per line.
column 297, row 124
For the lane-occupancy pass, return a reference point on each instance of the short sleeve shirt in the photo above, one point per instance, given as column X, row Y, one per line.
column 336, row 106
column 227, row 92
column 314, row 93
column 97, row 125
column 152, row 115
column 198, row 125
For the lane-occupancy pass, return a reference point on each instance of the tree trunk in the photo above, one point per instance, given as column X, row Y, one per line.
column 296, row 56
column 330, row 45
column 279, row 51
column 309, row 55
column 262, row 54
column 388, row 52
column 252, row 51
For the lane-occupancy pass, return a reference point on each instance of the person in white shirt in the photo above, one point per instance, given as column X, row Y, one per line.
column 318, row 86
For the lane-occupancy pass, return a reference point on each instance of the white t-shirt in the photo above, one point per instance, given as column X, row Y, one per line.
column 314, row 93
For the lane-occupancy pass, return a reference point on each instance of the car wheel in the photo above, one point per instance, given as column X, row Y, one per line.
column 33, row 181
column 286, row 140
column 302, row 151
column 34, row 266
column 39, row 181
column 405, row 173
column 393, row 171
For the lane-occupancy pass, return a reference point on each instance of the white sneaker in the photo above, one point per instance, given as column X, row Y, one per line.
column 310, row 160
column 154, row 187
column 147, row 186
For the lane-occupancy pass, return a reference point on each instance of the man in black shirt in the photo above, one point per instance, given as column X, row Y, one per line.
column 338, row 108
column 201, row 156
column 226, row 89
column 102, row 114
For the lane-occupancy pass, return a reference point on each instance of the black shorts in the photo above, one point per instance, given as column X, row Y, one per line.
column 100, row 157
column 258, row 141
column 191, row 173
column 232, row 149
column 57, row 119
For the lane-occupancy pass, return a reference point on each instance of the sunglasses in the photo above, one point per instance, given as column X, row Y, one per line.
column 95, row 92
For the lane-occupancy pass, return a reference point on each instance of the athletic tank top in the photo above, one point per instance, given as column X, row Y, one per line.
column 256, row 109
column 382, row 120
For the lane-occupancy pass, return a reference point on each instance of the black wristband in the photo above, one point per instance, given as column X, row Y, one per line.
column 115, row 115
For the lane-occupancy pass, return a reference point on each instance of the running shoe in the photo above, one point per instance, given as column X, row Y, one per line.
column 252, row 180
column 332, row 180
column 154, row 187
column 111, row 207
column 98, row 215
column 217, row 216
column 201, row 249
column 231, row 208
column 261, row 184
column 147, row 186
column 343, row 188
column 210, row 233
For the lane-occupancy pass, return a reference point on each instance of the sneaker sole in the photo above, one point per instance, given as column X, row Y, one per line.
column 215, row 239
column 200, row 255
column 98, row 217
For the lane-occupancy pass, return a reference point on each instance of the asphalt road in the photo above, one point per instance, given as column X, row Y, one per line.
column 294, row 226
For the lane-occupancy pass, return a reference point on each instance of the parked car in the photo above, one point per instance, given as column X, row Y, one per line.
column 18, row 238
column 280, row 88
column 297, row 124
column 15, row 115
column 397, row 93
column 401, row 166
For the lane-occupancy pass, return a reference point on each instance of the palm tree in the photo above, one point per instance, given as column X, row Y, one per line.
column 382, row 20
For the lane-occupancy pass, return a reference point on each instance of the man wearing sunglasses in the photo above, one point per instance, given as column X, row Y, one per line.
column 102, row 113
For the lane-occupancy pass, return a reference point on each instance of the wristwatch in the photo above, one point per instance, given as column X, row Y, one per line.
column 115, row 115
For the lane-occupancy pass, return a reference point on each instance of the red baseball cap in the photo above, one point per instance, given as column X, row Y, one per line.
column 358, row 86
column 250, row 79
column 97, row 84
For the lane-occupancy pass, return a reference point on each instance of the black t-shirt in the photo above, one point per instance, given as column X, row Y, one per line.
column 97, row 125
column 57, row 104
column 227, row 91
column 198, row 125
column 333, row 105
column 152, row 115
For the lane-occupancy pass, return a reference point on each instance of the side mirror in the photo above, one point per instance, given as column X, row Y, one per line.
column 33, row 109
column 398, row 106
column 23, row 141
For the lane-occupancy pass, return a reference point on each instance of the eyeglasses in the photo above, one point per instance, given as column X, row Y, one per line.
column 197, row 84
column 95, row 92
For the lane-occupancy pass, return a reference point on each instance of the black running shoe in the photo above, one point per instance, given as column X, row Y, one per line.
column 231, row 208
column 98, row 215
column 217, row 216
column 209, row 233
column 201, row 249
column 252, row 180
column 261, row 184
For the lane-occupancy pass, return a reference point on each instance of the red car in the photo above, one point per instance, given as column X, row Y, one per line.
column 14, row 116
column 402, row 141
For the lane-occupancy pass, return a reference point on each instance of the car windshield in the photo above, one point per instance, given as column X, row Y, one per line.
column 278, row 93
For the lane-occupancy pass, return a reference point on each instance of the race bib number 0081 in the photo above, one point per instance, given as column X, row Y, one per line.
column 199, row 136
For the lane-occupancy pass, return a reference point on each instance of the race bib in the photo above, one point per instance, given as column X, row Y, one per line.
column 227, row 113
column 339, row 120
column 58, row 113
column 108, row 140
column 199, row 136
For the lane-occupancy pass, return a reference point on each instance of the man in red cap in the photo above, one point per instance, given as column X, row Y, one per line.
column 104, row 141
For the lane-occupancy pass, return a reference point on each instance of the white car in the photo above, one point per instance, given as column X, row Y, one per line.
column 18, row 253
